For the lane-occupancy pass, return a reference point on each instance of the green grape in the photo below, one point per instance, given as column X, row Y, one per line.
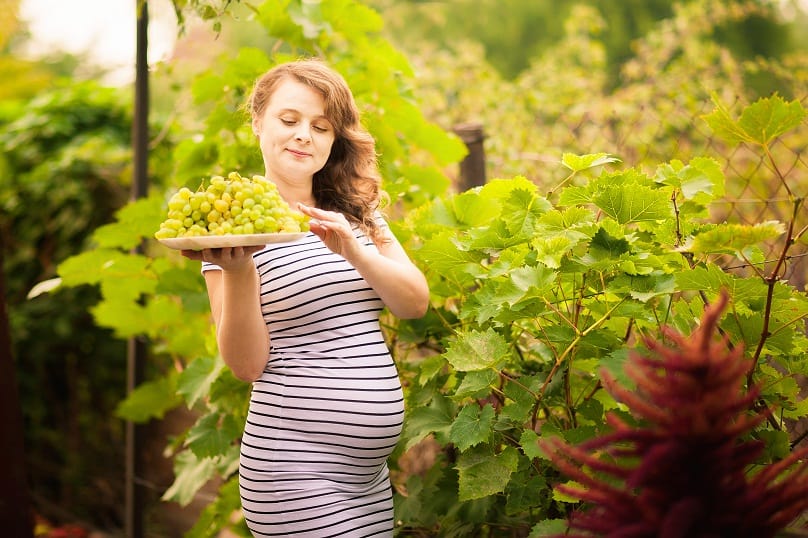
column 230, row 205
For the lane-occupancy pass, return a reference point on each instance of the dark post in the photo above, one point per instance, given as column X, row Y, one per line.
column 472, row 168
column 136, row 351
column 16, row 517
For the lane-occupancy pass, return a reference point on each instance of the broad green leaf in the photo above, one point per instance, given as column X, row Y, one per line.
column 476, row 382
column 608, row 247
column 759, row 123
column 529, row 278
column 472, row 209
column 501, row 189
column 86, row 267
column 701, row 179
column 564, row 497
column 421, row 421
column 578, row 163
column 643, row 287
column 134, row 221
column 522, row 495
column 477, row 350
column 521, row 212
column 195, row 381
column 551, row 251
column 577, row 195
column 529, row 442
column 472, row 426
column 747, row 295
column 191, row 473
column 212, row 435
column 125, row 318
column 429, row 178
column 735, row 238
column 151, row 399
column 483, row 473
column 634, row 203
column 549, row 528
column 430, row 367
column 442, row 255
column 573, row 222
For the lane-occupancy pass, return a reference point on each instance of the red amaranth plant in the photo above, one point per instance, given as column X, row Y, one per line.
column 686, row 471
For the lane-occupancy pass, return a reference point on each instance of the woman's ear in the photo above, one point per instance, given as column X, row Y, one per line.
column 256, row 126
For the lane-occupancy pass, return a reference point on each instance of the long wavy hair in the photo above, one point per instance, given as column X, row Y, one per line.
column 350, row 182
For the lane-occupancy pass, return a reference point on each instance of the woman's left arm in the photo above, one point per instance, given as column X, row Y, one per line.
column 387, row 269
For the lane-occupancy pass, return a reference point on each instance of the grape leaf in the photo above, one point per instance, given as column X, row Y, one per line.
column 191, row 474
column 578, row 163
column 735, row 238
column 477, row 350
column 472, row 426
column 759, row 123
column 634, row 203
column 482, row 473
column 212, row 435
column 149, row 400
column 195, row 381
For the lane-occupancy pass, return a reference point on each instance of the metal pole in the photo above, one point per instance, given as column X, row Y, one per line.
column 136, row 350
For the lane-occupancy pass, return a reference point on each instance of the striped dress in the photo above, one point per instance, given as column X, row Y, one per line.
column 328, row 409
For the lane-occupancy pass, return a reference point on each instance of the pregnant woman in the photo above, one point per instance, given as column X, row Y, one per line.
column 300, row 320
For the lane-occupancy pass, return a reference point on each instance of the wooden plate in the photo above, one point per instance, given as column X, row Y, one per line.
column 222, row 241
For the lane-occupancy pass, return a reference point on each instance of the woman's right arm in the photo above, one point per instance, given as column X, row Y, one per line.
column 234, row 293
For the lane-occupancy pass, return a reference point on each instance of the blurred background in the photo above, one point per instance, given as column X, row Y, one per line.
column 535, row 78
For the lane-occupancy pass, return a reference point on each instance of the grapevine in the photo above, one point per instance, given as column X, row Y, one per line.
column 234, row 205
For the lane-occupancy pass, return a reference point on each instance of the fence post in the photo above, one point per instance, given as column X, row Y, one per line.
column 136, row 350
column 472, row 167
column 16, row 517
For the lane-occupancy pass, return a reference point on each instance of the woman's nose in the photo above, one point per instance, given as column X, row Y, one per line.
column 302, row 132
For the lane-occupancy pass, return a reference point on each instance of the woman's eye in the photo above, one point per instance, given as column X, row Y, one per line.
column 286, row 121
column 320, row 128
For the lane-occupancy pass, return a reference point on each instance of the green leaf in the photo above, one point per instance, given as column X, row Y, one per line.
column 735, row 238
column 477, row 350
column 195, row 381
column 191, row 473
column 212, row 435
column 702, row 179
column 529, row 442
column 422, row 421
column 442, row 254
column 634, row 203
column 476, row 384
column 134, row 221
column 148, row 400
column 578, row 163
column 483, row 473
column 472, row 426
column 549, row 528
column 473, row 209
column 759, row 123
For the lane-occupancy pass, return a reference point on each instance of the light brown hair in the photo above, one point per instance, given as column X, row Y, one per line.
column 349, row 182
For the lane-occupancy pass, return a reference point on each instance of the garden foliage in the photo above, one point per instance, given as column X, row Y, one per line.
column 535, row 287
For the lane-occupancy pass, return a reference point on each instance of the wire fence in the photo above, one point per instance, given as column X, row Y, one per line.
column 759, row 187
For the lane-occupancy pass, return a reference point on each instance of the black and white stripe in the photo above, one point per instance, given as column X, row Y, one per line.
column 328, row 409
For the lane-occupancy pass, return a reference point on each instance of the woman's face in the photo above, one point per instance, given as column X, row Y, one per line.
column 293, row 132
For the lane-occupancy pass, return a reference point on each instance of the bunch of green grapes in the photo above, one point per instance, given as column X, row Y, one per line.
column 234, row 205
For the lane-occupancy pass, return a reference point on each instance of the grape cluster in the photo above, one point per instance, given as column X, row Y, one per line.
column 234, row 205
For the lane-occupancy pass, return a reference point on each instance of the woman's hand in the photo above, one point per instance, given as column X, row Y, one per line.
column 228, row 258
column 387, row 268
column 333, row 229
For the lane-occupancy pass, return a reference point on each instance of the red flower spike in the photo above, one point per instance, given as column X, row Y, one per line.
column 685, row 471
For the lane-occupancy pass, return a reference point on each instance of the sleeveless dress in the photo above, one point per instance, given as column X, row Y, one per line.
column 328, row 409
